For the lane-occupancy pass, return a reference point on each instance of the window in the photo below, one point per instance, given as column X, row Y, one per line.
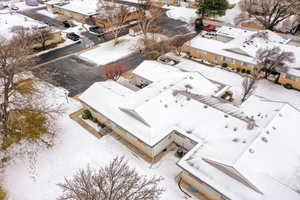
column 228, row 60
column 290, row 77
column 247, row 64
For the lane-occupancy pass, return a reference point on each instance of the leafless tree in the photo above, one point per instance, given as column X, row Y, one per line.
column 248, row 85
column 273, row 60
column 148, row 17
column 116, row 181
column 179, row 40
column 22, row 115
column 268, row 12
column 113, row 17
column 114, row 71
column 42, row 35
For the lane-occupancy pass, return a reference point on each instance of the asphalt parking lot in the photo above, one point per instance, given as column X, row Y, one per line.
column 76, row 74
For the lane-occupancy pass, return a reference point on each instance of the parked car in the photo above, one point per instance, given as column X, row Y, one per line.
column 209, row 28
column 198, row 25
column 73, row 36
column 168, row 60
column 14, row 7
column 68, row 24
column 96, row 29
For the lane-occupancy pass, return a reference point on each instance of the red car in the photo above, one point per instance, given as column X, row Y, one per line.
column 209, row 28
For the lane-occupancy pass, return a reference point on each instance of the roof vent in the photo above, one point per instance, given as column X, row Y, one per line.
column 251, row 123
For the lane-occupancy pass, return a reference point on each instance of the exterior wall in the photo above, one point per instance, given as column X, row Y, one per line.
column 183, row 141
column 76, row 16
column 162, row 144
column 203, row 188
column 214, row 58
column 295, row 82
column 55, row 38
column 121, row 132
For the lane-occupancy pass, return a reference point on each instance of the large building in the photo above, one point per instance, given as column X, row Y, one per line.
column 87, row 11
column 238, row 152
column 238, row 47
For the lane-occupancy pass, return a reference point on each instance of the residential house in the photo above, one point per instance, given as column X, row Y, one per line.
column 237, row 48
column 87, row 11
column 246, row 152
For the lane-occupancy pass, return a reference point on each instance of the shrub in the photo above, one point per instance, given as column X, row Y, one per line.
column 2, row 194
column 224, row 65
column 248, row 71
column 95, row 120
column 86, row 114
column 238, row 69
column 288, row 86
column 243, row 71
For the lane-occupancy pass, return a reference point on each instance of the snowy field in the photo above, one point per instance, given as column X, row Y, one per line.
column 106, row 53
column 76, row 148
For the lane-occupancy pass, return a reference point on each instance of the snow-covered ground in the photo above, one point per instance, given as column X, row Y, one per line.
column 47, row 13
column 76, row 148
column 107, row 52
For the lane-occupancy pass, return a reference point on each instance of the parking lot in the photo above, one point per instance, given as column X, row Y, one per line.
column 76, row 75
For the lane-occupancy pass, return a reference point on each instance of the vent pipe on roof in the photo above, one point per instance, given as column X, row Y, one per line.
column 251, row 123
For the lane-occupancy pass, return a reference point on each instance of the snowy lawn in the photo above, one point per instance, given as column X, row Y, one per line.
column 47, row 13
column 76, row 148
column 106, row 53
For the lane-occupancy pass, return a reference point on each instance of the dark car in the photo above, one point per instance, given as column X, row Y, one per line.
column 68, row 24
column 96, row 29
column 73, row 36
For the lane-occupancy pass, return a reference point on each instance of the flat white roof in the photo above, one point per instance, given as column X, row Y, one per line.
column 247, row 43
column 86, row 7
column 266, row 156
column 9, row 21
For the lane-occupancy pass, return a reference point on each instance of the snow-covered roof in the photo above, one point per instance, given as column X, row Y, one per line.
column 157, row 99
column 267, row 166
column 241, row 161
column 9, row 21
column 244, row 44
column 86, row 7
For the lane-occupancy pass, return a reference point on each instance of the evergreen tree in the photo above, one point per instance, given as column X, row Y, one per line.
column 208, row 8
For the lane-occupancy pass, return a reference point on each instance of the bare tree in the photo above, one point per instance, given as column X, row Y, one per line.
column 114, row 71
column 273, row 60
column 268, row 12
column 148, row 17
column 116, row 181
column 179, row 40
column 42, row 35
column 113, row 17
column 22, row 114
column 248, row 85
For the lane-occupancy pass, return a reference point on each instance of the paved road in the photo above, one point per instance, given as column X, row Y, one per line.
column 172, row 26
column 32, row 13
column 61, row 52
